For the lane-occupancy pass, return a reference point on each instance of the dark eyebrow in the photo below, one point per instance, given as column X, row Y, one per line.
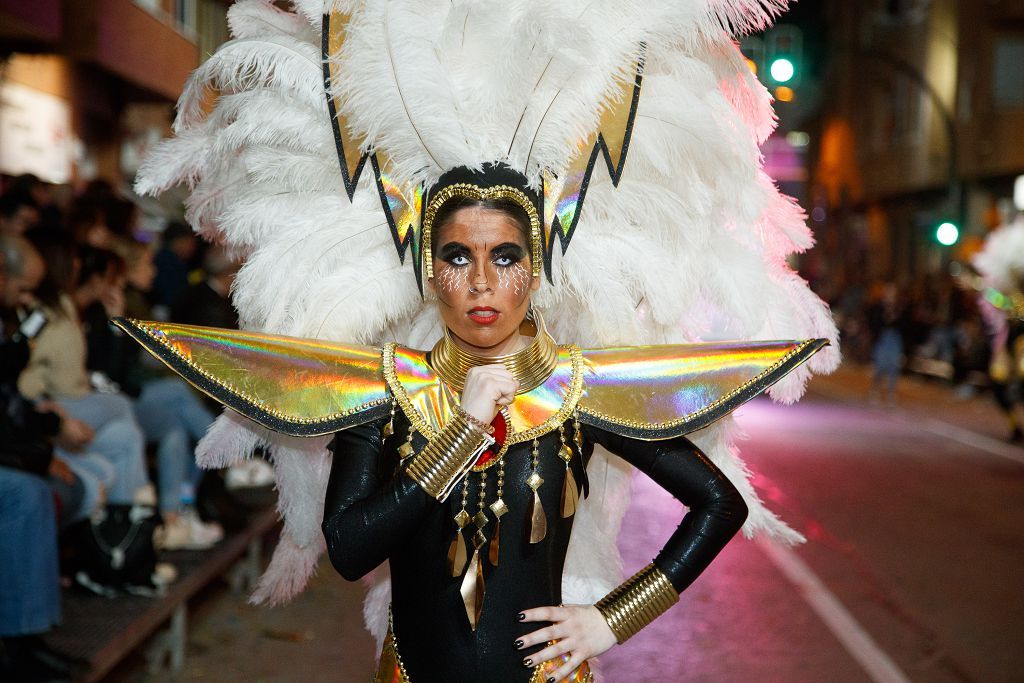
column 453, row 249
column 510, row 249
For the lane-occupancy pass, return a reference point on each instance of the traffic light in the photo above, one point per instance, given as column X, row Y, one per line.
column 947, row 233
column 783, row 52
column 782, row 70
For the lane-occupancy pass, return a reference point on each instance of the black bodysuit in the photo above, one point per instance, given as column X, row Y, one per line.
column 374, row 512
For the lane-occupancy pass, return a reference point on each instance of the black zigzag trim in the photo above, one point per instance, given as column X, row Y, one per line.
column 353, row 181
column 556, row 229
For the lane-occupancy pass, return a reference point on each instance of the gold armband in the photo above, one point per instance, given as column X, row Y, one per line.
column 448, row 457
column 640, row 600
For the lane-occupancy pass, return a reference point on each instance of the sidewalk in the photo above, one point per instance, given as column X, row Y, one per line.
column 916, row 397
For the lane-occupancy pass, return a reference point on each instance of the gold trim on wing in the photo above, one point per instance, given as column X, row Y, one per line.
column 299, row 387
column 659, row 392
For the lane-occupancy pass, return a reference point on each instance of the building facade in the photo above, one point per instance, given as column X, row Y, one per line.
column 922, row 124
column 86, row 85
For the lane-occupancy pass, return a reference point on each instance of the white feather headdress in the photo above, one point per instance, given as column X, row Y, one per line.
column 690, row 245
column 1001, row 259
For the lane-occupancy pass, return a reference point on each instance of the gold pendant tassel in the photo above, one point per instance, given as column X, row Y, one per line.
column 457, row 548
column 538, row 522
column 570, row 494
column 457, row 554
column 473, row 588
column 498, row 508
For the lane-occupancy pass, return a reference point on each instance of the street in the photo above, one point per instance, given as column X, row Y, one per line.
column 916, row 537
column 911, row 570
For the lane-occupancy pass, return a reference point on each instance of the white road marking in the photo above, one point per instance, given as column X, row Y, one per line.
column 878, row 665
column 939, row 427
column 974, row 440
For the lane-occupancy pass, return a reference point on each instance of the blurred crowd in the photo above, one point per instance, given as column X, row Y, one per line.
column 932, row 327
column 88, row 422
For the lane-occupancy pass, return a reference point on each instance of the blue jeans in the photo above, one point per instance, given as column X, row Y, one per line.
column 29, row 575
column 173, row 417
column 95, row 472
column 118, row 440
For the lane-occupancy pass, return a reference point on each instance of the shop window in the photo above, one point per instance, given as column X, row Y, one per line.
column 1008, row 76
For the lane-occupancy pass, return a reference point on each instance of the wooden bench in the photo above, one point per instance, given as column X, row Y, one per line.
column 103, row 631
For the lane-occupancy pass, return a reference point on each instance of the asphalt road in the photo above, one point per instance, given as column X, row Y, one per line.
column 913, row 567
column 912, row 571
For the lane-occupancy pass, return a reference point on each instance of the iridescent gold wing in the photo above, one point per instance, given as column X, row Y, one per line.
column 299, row 387
column 659, row 392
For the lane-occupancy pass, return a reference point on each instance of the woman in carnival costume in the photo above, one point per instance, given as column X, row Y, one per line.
column 401, row 176
column 1001, row 264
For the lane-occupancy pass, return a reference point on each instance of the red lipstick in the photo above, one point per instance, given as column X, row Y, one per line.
column 483, row 315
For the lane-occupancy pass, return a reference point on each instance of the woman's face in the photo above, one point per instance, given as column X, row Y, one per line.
column 142, row 272
column 482, row 279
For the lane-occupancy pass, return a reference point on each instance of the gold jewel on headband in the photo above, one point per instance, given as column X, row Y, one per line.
column 470, row 191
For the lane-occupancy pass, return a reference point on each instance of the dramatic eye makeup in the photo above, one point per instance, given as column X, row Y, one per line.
column 507, row 254
column 504, row 255
column 455, row 253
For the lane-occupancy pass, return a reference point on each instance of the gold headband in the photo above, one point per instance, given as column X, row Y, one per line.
column 470, row 191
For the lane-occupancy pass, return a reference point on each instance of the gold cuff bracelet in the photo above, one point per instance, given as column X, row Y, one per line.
column 447, row 457
column 640, row 600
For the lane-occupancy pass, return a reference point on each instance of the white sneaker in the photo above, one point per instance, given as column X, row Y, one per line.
column 164, row 574
column 188, row 532
column 252, row 473
column 145, row 495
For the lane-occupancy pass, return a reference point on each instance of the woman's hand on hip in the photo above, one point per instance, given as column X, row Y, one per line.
column 488, row 389
column 579, row 631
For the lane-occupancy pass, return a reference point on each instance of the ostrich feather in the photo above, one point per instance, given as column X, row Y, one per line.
column 272, row 61
column 254, row 18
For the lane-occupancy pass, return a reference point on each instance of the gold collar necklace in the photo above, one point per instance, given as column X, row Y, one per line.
column 530, row 366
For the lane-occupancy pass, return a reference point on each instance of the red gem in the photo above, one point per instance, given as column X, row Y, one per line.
column 500, row 432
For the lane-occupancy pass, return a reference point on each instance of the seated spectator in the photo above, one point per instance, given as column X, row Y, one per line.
column 170, row 413
column 28, row 432
column 57, row 372
column 88, row 224
column 29, row 580
column 43, row 195
column 172, row 266
column 209, row 302
column 18, row 213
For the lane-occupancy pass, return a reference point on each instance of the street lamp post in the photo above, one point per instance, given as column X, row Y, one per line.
column 956, row 198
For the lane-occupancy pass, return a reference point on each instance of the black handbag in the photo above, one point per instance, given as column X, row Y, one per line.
column 25, row 453
column 115, row 551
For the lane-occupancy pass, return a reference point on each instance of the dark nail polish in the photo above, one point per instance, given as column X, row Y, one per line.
column 521, row 616
column 527, row 662
column 519, row 644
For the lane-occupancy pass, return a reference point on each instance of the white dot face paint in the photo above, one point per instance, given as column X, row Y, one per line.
column 515, row 277
column 451, row 279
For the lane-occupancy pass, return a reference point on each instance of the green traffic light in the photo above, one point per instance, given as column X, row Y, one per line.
column 782, row 70
column 947, row 234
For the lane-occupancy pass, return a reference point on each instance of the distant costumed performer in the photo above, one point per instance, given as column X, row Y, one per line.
column 426, row 195
column 1001, row 265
